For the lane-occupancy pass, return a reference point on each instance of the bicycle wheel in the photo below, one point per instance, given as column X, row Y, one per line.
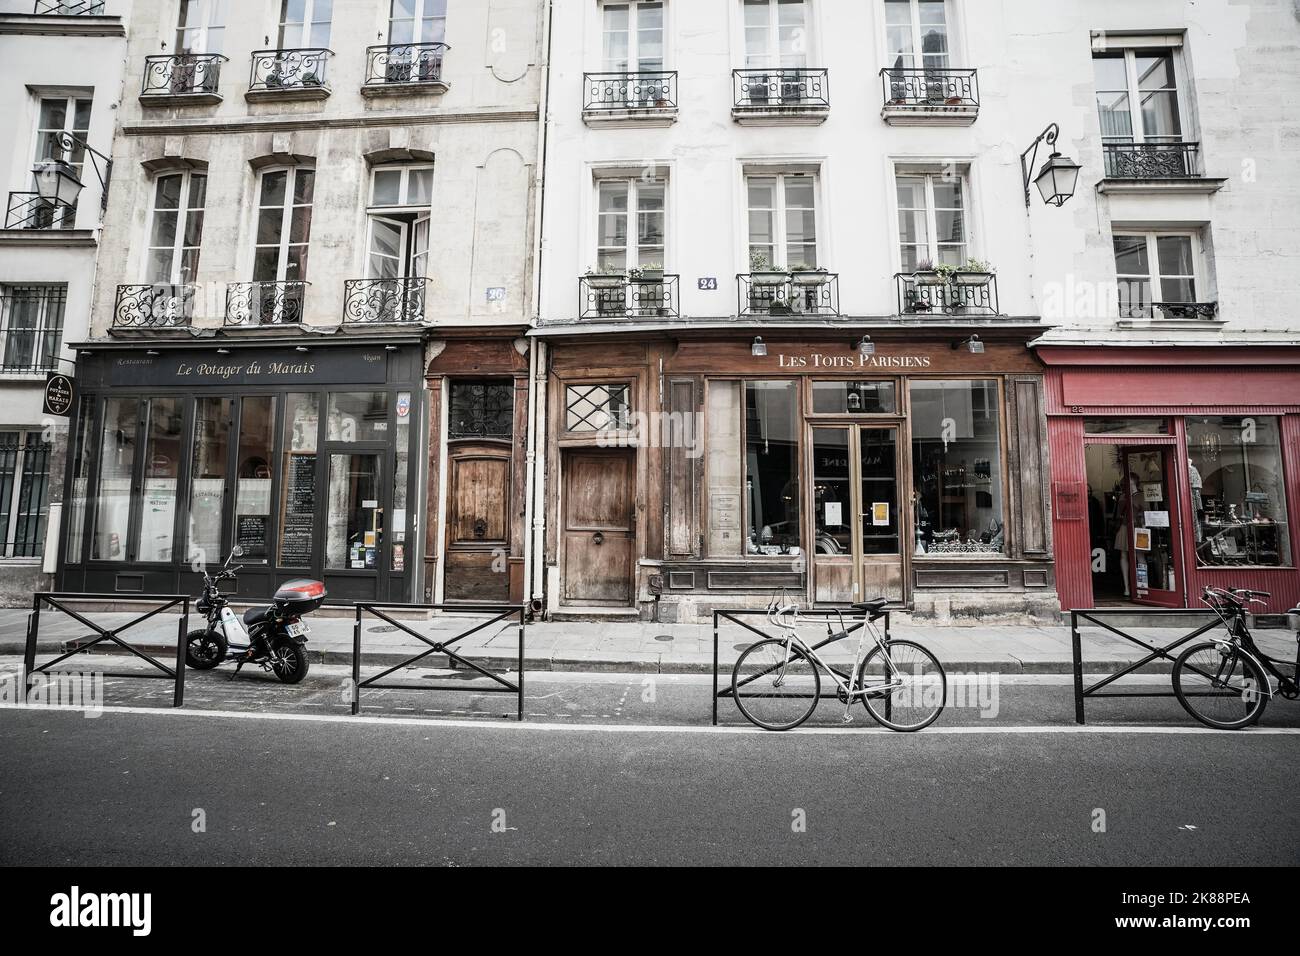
column 771, row 691
column 920, row 686
column 1226, row 691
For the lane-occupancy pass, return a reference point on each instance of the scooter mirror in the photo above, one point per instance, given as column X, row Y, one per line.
column 237, row 551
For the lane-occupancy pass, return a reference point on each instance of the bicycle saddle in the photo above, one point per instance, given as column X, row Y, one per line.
column 875, row 604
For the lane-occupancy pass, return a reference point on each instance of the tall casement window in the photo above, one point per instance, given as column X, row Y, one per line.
column 56, row 115
column 283, row 224
column 630, row 224
column 176, row 227
column 201, row 26
column 932, row 226
column 305, row 24
column 772, row 468
column 633, row 40
column 399, row 210
column 957, row 467
column 31, row 327
column 776, row 33
column 1137, row 96
column 417, row 21
column 24, row 480
column 782, row 221
column 916, row 32
column 1157, row 274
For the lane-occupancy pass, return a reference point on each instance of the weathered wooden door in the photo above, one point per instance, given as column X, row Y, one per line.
column 599, row 535
column 478, row 526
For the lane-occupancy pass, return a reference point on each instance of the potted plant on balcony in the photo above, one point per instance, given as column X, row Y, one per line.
column 651, row 272
column 926, row 273
column 762, row 273
column 974, row 272
column 604, row 278
column 806, row 275
column 310, row 79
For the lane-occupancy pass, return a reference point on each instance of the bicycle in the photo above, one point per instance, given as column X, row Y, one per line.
column 776, row 683
column 1227, row 677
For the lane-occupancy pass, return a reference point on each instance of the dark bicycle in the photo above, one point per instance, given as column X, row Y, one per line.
column 1225, row 682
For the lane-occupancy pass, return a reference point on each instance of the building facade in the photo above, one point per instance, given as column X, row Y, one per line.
column 303, row 193
column 61, row 77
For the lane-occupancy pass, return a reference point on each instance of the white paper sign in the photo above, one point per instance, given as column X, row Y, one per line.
column 834, row 516
column 1155, row 519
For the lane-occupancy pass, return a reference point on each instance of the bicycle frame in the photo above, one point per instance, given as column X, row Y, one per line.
column 777, row 614
column 1239, row 637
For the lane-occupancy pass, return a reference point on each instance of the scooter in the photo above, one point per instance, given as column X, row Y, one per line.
column 272, row 637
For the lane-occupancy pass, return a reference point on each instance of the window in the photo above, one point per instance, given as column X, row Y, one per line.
column 161, row 467
column 200, row 28
column 957, row 467
column 208, row 461
column 481, row 410
column 400, row 198
column 1238, row 491
column 80, row 463
column 176, row 228
column 776, row 33
column 596, row 408
column 254, row 453
column 417, row 21
column 772, row 468
column 916, row 32
column 783, row 221
column 1157, row 274
column 118, row 436
column 932, row 226
column 305, row 23
column 1144, row 77
column 57, row 115
column 621, row 243
column 853, row 398
column 298, row 480
column 357, row 417
column 24, row 480
column 283, row 225
column 31, row 327
column 633, row 36
column 1126, row 426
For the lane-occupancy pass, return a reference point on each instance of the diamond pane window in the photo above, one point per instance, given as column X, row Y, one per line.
column 594, row 408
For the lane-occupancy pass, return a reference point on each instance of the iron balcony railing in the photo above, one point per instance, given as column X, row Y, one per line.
column 70, row 8
column 781, row 88
column 641, row 90
column 1152, row 160
column 158, row 305
column 30, row 211
column 650, row 295
column 384, row 301
column 292, row 70
column 404, row 63
column 788, row 293
column 1129, row 309
column 183, row 74
column 924, row 88
column 254, row 304
column 31, row 327
column 961, row 293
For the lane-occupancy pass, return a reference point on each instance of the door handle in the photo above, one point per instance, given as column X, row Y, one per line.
column 598, row 537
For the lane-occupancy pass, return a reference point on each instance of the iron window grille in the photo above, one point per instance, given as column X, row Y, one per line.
column 481, row 409
column 929, row 87
column 781, row 88
column 24, row 481
column 636, row 90
column 182, row 75
column 596, row 408
column 70, row 8
column 404, row 63
column 31, row 327
column 303, row 69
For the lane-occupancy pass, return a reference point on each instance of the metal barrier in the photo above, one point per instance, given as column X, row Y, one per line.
column 1157, row 653
column 501, row 611
column 57, row 601
column 853, row 620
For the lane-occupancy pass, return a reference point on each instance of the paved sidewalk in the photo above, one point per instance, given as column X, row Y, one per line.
column 642, row 647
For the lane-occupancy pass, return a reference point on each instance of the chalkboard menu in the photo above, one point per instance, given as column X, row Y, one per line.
column 250, row 534
column 299, row 512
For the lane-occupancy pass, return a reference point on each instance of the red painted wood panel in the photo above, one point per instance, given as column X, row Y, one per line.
column 1180, row 388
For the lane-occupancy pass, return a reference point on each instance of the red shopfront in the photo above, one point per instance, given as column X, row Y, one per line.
column 1174, row 468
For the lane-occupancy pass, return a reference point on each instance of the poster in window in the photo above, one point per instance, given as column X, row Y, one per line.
column 880, row 514
column 250, row 534
column 1153, row 491
column 1141, row 539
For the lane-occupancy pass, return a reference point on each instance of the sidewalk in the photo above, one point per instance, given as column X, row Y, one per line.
column 642, row 647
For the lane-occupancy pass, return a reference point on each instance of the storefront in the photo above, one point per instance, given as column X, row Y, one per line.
column 306, row 456
column 1173, row 469
column 707, row 468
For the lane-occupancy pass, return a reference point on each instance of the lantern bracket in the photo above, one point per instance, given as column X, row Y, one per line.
column 1047, row 136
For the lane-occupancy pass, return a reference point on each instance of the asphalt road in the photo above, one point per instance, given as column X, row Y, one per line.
column 435, row 778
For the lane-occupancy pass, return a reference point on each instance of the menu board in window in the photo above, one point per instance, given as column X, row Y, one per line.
column 299, row 512
column 250, row 535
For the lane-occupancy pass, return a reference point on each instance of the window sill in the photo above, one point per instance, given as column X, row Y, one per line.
column 649, row 117
column 938, row 115
column 1192, row 185
column 51, row 24
column 287, row 94
column 404, row 88
column 163, row 100
column 780, row 115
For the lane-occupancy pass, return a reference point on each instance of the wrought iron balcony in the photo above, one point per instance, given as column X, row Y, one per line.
column 1152, row 160
column 191, row 76
column 31, row 327
column 384, row 301
column 254, row 304
column 30, row 211
column 781, row 90
column 647, row 92
column 778, row 294
column 1167, row 310
column 160, row 305
column 298, row 74
column 70, row 8
column 915, row 96
column 648, row 295
column 404, row 67
column 961, row 293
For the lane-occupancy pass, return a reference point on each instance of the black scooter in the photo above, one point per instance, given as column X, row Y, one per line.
column 272, row 637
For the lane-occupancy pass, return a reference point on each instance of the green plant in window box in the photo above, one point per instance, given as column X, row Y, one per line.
column 603, row 278
column 927, row 274
column 651, row 272
column 763, row 273
column 974, row 272
column 807, row 275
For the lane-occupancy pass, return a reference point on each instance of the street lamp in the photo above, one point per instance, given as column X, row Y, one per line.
column 57, row 182
column 1058, row 177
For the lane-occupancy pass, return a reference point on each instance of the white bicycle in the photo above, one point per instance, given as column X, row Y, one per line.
column 776, row 682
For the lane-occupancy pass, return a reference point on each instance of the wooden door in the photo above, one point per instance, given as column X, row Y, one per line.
column 478, row 525
column 599, row 534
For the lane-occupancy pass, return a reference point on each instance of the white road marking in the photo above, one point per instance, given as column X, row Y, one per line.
column 678, row 728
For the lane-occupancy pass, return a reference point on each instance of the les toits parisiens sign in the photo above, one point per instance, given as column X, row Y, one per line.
column 822, row 360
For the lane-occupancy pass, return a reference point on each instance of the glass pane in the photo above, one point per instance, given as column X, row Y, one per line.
column 357, row 416
column 481, row 410
column 771, row 468
column 1131, row 256
column 1126, row 426
column 1110, row 73
column 298, row 477
column 878, row 449
column 957, row 467
column 1238, row 491
column 1154, row 567
column 401, row 475
column 208, row 461
column 253, row 478
column 270, row 225
column 724, row 468
column 354, row 519
column 1160, row 116
column 832, row 492
column 164, row 229
column 1115, row 117
column 1155, row 72
column 273, row 188
column 420, row 187
column 387, row 188
column 1175, row 255
column 161, row 468
column 304, row 187
column 854, row 398
column 80, row 463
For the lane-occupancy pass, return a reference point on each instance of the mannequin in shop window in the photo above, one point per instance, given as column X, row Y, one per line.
column 1194, row 479
column 1122, row 524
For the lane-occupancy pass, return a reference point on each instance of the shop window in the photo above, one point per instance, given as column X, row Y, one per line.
column 782, row 221
column 161, row 468
column 725, row 469
column 24, row 480
column 772, row 468
column 1126, row 426
column 358, row 416
column 957, row 467
column 31, row 327
column 1238, row 491
column 401, row 474
column 854, row 398
column 255, row 451
column 176, row 228
column 481, row 410
column 298, row 479
column 208, row 462
column 776, row 33
column 596, row 408
column 117, row 444
column 932, row 223
column 80, row 462
column 354, row 519
column 916, row 32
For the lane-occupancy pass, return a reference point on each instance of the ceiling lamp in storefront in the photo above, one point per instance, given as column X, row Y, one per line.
column 1059, row 176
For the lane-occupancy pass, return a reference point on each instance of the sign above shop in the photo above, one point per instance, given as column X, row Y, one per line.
column 319, row 366
column 845, row 360
column 59, row 389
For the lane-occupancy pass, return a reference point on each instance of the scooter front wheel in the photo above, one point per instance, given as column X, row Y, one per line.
column 204, row 649
column 289, row 661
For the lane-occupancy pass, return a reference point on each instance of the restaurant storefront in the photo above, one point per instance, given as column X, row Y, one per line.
column 701, row 469
column 1172, row 469
column 305, row 456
